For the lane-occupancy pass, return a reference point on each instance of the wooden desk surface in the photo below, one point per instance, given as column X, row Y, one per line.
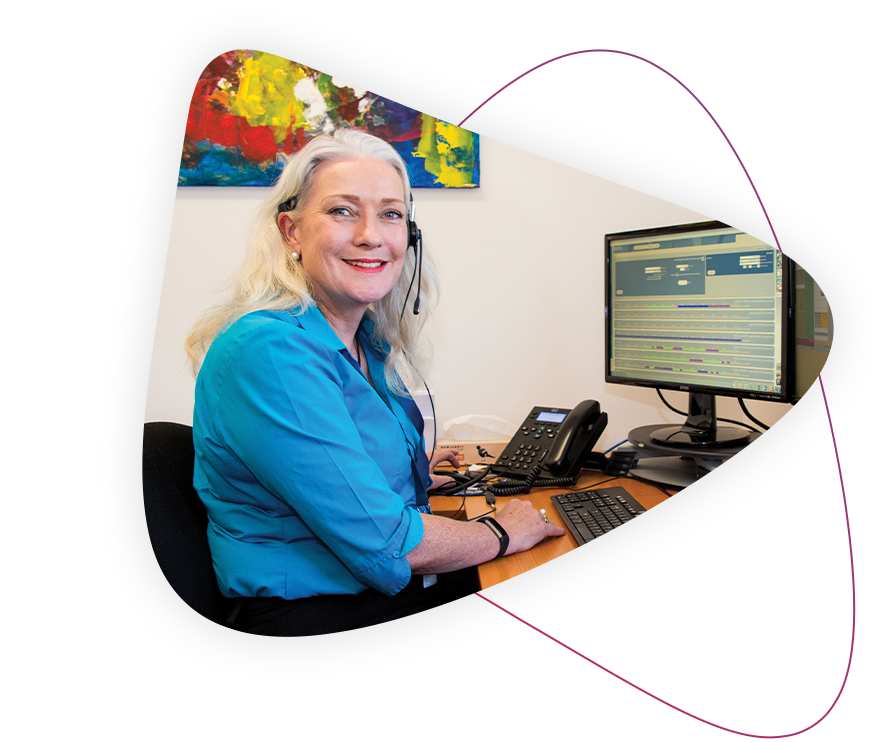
column 497, row 571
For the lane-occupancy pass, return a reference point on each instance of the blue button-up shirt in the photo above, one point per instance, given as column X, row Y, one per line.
column 312, row 479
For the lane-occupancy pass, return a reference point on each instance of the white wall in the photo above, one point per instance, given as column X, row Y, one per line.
column 520, row 321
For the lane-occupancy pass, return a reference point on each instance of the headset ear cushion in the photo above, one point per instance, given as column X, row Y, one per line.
column 287, row 206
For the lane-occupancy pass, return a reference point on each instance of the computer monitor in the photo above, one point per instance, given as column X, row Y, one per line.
column 703, row 308
column 814, row 330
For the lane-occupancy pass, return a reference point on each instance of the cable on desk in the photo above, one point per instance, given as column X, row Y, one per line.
column 596, row 484
column 649, row 482
column 465, row 486
column 630, row 476
column 723, row 420
column 533, row 480
column 607, row 451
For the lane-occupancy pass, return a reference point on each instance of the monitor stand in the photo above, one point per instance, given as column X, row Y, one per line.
column 701, row 429
column 676, row 471
column 677, row 464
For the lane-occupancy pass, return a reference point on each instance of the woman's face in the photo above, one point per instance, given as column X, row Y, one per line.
column 352, row 237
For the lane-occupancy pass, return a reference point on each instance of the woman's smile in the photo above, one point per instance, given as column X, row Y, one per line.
column 366, row 266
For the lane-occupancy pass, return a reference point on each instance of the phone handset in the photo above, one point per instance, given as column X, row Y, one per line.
column 579, row 432
column 551, row 448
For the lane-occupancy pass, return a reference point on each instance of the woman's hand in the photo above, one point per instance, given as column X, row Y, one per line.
column 439, row 456
column 444, row 455
column 524, row 525
column 451, row 545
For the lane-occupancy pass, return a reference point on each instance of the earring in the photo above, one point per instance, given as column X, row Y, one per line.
column 296, row 255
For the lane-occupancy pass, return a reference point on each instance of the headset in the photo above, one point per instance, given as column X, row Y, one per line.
column 415, row 243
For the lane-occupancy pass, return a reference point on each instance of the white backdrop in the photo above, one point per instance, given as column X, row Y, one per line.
column 520, row 322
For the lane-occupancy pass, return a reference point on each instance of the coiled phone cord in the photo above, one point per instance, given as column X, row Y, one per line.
column 532, row 481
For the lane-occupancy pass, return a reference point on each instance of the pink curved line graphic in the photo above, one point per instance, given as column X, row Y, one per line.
column 858, row 486
column 552, row 629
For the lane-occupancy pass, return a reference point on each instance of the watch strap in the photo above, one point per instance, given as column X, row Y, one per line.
column 498, row 531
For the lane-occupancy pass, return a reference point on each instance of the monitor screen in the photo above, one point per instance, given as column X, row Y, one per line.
column 701, row 308
column 814, row 329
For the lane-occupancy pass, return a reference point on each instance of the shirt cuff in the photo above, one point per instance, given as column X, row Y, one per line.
column 393, row 572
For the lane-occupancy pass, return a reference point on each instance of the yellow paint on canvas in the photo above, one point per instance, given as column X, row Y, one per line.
column 426, row 146
column 451, row 138
column 265, row 96
column 438, row 146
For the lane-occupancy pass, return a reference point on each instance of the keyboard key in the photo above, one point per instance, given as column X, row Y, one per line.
column 584, row 531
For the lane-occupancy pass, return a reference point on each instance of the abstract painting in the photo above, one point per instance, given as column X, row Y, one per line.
column 251, row 110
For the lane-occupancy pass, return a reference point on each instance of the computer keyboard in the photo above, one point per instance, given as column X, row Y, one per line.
column 589, row 514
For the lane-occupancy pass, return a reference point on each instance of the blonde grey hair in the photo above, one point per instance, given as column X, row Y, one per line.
column 270, row 278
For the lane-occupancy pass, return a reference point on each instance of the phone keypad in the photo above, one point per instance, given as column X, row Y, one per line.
column 530, row 445
column 525, row 457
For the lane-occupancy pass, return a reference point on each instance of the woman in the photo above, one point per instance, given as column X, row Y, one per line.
column 309, row 456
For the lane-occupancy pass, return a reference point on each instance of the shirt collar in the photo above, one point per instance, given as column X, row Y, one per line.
column 314, row 322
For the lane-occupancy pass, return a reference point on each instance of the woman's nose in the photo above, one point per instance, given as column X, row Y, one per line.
column 368, row 232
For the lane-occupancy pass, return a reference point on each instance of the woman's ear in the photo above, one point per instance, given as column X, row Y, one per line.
column 287, row 227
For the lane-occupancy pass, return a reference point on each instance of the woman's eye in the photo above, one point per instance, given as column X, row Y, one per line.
column 393, row 214
column 340, row 211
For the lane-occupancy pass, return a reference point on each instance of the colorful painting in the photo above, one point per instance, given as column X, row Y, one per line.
column 251, row 110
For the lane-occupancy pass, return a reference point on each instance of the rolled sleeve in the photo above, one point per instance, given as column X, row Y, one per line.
column 392, row 572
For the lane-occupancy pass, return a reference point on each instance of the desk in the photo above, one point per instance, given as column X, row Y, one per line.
column 497, row 571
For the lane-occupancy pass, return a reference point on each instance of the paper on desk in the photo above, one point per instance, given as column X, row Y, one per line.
column 478, row 428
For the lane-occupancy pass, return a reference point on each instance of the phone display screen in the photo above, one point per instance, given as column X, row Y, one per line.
column 550, row 417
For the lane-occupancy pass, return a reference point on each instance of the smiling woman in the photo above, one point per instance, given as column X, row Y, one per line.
column 310, row 457
column 273, row 276
column 351, row 238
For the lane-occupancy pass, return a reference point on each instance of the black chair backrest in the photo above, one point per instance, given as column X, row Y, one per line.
column 177, row 521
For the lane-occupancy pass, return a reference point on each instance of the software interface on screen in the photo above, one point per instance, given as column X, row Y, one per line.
column 698, row 308
column 814, row 330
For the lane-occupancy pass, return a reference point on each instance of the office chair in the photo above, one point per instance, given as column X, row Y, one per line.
column 177, row 521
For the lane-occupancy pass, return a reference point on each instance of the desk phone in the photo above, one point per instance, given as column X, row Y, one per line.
column 558, row 439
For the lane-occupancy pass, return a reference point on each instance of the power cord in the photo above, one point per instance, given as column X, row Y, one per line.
column 464, row 486
column 533, row 480
column 751, row 417
column 723, row 420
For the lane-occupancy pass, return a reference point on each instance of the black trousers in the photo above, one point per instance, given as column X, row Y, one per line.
column 320, row 615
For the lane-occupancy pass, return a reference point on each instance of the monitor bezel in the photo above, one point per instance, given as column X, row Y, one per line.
column 787, row 395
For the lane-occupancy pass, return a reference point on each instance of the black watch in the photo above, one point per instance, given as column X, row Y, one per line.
column 498, row 532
